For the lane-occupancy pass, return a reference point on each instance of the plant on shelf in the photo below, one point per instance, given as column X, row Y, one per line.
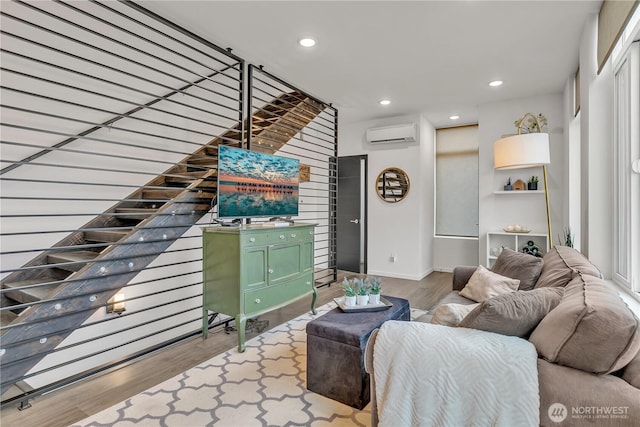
column 566, row 237
column 508, row 187
column 533, row 183
column 530, row 123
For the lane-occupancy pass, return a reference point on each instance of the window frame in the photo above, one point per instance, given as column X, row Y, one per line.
column 626, row 182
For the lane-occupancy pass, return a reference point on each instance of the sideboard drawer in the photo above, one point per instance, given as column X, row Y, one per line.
column 259, row 300
column 256, row 239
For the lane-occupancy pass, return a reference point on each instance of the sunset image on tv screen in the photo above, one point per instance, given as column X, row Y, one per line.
column 253, row 184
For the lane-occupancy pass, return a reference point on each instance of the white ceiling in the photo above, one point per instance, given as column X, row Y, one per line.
column 434, row 57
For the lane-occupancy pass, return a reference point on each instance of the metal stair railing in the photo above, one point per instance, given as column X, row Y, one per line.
column 97, row 98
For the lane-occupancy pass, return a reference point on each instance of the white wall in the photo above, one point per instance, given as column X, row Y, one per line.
column 449, row 252
column 426, row 216
column 403, row 229
column 499, row 210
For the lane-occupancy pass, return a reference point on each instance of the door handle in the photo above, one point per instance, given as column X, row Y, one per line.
column 355, row 221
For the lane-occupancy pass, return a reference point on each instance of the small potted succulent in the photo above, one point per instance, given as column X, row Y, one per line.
column 375, row 287
column 508, row 187
column 362, row 290
column 349, row 293
column 533, row 183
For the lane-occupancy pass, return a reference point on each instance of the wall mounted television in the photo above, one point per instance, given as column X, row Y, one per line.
column 254, row 184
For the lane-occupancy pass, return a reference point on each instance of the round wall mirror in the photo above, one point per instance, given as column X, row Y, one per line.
column 392, row 185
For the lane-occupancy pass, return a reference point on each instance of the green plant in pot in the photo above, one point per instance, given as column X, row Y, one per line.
column 375, row 288
column 508, row 187
column 533, row 183
column 362, row 297
column 349, row 293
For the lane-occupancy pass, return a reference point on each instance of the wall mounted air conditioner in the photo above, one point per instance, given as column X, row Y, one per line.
column 395, row 133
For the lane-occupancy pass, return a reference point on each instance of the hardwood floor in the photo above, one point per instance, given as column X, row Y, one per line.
column 77, row 401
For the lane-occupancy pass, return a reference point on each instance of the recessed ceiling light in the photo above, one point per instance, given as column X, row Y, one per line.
column 307, row 42
column 454, row 117
column 495, row 83
column 385, row 102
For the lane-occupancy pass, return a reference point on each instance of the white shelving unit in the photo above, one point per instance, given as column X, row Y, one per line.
column 515, row 241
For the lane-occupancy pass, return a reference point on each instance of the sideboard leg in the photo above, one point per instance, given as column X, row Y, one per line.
column 313, row 301
column 241, row 323
column 205, row 323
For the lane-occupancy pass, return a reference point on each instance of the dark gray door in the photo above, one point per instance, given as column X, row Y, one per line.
column 352, row 213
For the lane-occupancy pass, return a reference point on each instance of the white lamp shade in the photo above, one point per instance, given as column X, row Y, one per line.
column 521, row 151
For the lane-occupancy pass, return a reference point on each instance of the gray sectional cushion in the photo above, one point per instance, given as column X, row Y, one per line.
column 583, row 391
column 591, row 329
column 516, row 313
column 560, row 265
column 521, row 266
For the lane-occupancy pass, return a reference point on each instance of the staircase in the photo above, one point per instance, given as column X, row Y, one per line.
column 58, row 290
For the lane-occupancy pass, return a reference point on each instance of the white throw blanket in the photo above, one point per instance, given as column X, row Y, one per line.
column 433, row 375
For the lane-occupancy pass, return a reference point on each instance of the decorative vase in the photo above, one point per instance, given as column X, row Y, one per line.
column 362, row 299
column 374, row 299
column 349, row 301
column 532, row 186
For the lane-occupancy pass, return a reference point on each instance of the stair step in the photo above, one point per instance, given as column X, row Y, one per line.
column 135, row 213
column 7, row 317
column 202, row 160
column 24, row 296
column 186, row 178
column 105, row 236
column 167, row 194
column 81, row 257
column 210, row 150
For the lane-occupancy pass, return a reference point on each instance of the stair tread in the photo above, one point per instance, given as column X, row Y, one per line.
column 24, row 296
column 7, row 317
column 28, row 295
column 108, row 236
column 75, row 256
column 20, row 283
column 136, row 210
column 167, row 194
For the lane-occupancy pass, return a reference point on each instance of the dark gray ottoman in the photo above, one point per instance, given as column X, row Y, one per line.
column 335, row 349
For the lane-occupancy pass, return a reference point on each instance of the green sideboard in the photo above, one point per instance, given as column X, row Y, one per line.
column 252, row 269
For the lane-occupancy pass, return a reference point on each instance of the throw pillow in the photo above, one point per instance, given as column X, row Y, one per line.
column 515, row 313
column 591, row 329
column 560, row 265
column 485, row 284
column 451, row 314
column 518, row 265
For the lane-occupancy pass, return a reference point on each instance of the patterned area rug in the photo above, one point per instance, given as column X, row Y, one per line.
column 264, row 386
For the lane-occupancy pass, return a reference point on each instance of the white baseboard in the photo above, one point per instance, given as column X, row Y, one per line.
column 400, row 275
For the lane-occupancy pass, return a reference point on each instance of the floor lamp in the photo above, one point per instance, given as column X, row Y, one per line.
column 525, row 151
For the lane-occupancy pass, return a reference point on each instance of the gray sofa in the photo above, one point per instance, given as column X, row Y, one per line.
column 588, row 340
